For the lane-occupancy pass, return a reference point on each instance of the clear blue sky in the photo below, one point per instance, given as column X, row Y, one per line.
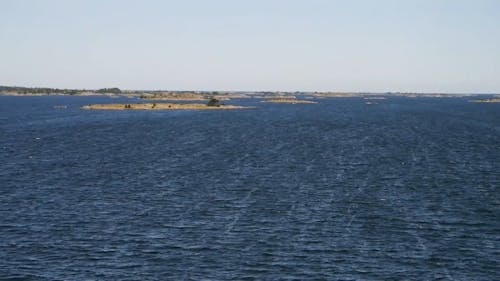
column 350, row 45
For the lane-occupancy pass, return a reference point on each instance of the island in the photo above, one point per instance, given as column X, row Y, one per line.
column 162, row 106
column 174, row 96
column 190, row 96
column 155, row 95
column 289, row 101
column 495, row 100
column 25, row 91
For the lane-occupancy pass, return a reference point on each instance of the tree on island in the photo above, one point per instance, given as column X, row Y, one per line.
column 213, row 102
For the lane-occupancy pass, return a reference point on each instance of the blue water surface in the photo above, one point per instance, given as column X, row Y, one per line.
column 404, row 189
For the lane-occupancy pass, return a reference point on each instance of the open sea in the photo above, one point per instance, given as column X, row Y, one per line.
column 405, row 189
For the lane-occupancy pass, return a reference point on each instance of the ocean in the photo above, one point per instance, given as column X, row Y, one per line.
column 400, row 189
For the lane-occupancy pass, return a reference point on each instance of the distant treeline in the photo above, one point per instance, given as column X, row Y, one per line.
column 109, row 90
column 36, row 90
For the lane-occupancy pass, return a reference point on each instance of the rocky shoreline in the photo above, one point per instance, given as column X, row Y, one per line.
column 161, row 106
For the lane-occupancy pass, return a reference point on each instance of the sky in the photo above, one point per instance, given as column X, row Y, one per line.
column 253, row 45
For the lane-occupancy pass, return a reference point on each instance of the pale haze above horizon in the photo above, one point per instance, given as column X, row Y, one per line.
column 448, row 46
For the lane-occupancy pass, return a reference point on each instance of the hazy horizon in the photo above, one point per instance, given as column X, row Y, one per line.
column 251, row 91
column 344, row 46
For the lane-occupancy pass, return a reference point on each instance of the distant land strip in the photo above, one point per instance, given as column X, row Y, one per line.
column 168, row 95
column 163, row 106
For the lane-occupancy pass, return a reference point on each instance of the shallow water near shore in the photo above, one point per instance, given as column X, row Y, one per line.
column 401, row 189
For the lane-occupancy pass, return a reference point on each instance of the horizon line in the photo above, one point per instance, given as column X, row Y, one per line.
column 259, row 91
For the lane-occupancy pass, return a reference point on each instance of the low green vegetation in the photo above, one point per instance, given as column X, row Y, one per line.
column 41, row 91
column 56, row 91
